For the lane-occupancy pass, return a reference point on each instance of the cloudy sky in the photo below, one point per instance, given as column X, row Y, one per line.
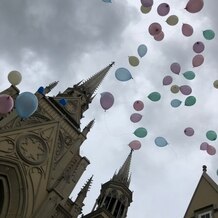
column 70, row 40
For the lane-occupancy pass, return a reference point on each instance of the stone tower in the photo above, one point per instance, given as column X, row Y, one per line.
column 40, row 161
column 115, row 196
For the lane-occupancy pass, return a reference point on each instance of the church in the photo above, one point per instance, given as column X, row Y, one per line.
column 40, row 161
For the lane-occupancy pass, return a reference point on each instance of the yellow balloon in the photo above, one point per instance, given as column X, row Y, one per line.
column 145, row 10
column 14, row 77
column 172, row 20
column 215, row 84
column 134, row 61
column 174, row 89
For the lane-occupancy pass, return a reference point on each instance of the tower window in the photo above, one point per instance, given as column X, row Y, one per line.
column 205, row 215
column 112, row 202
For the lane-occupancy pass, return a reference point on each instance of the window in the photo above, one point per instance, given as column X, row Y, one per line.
column 205, row 215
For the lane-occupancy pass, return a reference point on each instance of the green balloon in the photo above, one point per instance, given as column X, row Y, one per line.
column 141, row 132
column 208, row 34
column 189, row 75
column 190, row 100
column 211, row 135
column 154, row 96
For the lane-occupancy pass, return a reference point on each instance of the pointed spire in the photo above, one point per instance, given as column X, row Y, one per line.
column 91, row 84
column 123, row 173
column 88, row 127
column 50, row 87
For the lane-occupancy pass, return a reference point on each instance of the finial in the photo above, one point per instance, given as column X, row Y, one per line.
column 112, row 64
column 204, row 168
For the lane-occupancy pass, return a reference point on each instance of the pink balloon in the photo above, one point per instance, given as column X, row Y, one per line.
column 189, row 131
column 198, row 47
column 175, row 68
column 154, row 29
column 211, row 150
column 106, row 100
column 187, row 30
column 185, row 90
column 204, row 146
column 135, row 145
column 167, row 80
column 197, row 60
column 135, row 117
column 159, row 36
column 138, row 105
column 194, row 6
column 6, row 103
column 163, row 9
column 147, row 3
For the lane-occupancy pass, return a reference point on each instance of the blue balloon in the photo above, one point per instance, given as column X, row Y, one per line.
column 142, row 50
column 175, row 103
column 26, row 104
column 122, row 74
column 161, row 141
column 41, row 90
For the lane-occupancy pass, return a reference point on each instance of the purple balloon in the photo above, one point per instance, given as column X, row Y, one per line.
column 167, row 80
column 106, row 100
column 138, row 105
column 135, row 117
column 204, row 146
column 211, row 150
column 187, row 29
column 189, row 131
column 147, row 3
column 159, row 36
column 135, row 145
column 197, row 60
column 198, row 47
column 154, row 29
column 185, row 90
column 6, row 103
column 163, row 9
column 175, row 68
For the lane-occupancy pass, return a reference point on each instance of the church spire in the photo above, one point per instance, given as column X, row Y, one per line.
column 123, row 173
column 91, row 84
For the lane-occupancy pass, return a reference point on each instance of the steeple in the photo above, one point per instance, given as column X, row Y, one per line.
column 88, row 127
column 91, row 84
column 123, row 174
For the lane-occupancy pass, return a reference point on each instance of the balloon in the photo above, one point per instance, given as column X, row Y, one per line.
column 138, row 105
column 142, row 50
column 26, row 104
column 208, row 34
column 204, row 146
column 175, row 103
column 107, row 1
column 211, row 135
column 14, row 77
column 187, row 29
column 198, row 47
column 194, row 6
column 190, row 100
column 185, row 90
column 134, row 61
column 41, row 90
column 189, row 131
column 135, row 145
column 163, row 9
column 159, row 36
column 147, row 3
column 160, row 141
column 189, row 75
column 141, row 132
column 167, row 80
column 175, row 68
column 145, row 10
column 63, row 101
column 174, row 89
column 106, row 100
column 215, row 84
column 6, row 103
column 172, row 20
column 197, row 60
column 154, row 96
column 211, row 150
column 122, row 74
column 135, row 117
column 154, row 29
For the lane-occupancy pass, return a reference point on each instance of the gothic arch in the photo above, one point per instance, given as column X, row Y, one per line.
column 12, row 183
